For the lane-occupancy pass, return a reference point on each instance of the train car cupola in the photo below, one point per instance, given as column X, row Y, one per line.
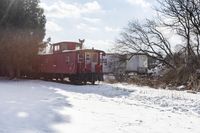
column 66, row 46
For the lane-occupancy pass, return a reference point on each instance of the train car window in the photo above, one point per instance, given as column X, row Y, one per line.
column 80, row 58
column 78, row 47
column 87, row 57
column 57, row 48
column 67, row 59
column 94, row 57
column 64, row 47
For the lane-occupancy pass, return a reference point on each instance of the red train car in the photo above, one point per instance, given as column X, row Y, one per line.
column 69, row 60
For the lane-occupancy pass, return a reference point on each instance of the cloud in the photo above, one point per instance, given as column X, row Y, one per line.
column 52, row 26
column 92, row 20
column 86, row 27
column 111, row 29
column 61, row 9
column 106, row 45
column 91, row 7
column 141, row 3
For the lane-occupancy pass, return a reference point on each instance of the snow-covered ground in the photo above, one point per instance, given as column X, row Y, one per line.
column 31, row 106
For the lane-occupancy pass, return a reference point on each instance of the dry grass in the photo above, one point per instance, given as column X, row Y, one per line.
column 171, row 79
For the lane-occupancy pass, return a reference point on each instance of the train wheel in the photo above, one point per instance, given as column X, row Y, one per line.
column 61, row 79
column 75, row 82
column 93, row 82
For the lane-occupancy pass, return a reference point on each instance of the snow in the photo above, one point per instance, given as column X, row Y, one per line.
column 33, row 106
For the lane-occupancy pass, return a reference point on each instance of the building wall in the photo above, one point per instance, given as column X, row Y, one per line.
column 132, row 63
column 109, row 63
column 114, row 63
column 125, row 63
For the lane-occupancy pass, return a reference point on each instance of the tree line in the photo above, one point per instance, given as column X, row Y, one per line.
column 22, row 29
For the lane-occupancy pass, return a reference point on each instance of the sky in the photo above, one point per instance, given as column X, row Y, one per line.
column 99, row 22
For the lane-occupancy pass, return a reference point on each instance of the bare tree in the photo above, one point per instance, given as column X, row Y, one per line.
column 145, row 38
column 184, row 17
column 194, row 13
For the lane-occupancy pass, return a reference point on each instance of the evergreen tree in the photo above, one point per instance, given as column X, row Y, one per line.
column 22, row 29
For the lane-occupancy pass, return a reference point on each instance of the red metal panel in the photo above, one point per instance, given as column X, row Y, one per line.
column 47, row 63
column 66, row 63
column 58, row 63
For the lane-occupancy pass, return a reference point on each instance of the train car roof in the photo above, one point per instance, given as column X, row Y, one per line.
column 65, row 51
column 90, row 50
column 65, row 42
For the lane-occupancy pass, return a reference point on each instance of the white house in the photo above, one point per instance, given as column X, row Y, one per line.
column 137, row 63
column 115, row 63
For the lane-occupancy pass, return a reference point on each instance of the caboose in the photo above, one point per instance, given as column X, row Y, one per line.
column 69, row 60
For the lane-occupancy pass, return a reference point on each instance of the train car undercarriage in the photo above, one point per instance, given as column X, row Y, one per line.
column 82, row 78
